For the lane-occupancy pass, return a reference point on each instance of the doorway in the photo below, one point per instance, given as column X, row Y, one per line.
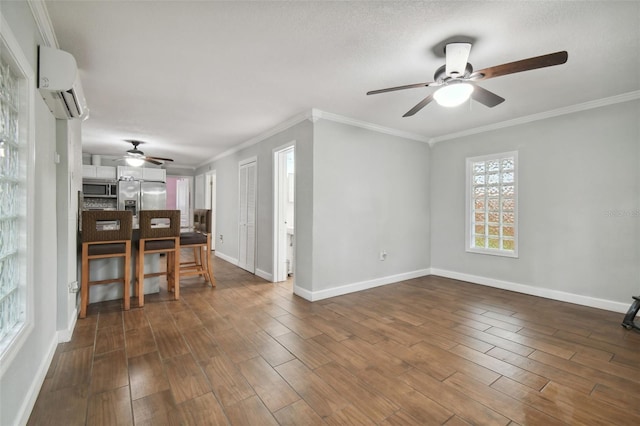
column 179, row 198
column 284, row 212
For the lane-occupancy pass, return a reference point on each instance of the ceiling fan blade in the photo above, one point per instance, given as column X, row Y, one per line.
column 457, row 57
column 486, row 97
column 391, row 89
column 159, row 158
column 419, row 106
column 149, row 160
column 543, row 61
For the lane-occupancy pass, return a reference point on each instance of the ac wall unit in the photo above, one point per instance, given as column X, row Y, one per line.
column 59, row 84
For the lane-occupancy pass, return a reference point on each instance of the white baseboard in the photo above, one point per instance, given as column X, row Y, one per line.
column 226, row 257
column 358, row 286
column 304, row 293
column 65, row 335
column 312, row 296
column 264, row 274
column 562, row 296
column 36, row 384
column 259, row 272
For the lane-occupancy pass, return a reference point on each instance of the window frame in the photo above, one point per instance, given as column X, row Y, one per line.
column 469, row 206
column 12, row 53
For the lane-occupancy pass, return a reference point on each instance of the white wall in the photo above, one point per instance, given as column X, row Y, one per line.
column 574, row 171
column 20, row 384
column 303, row 211
column 370, row 193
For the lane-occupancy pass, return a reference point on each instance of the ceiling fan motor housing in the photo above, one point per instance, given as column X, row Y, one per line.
column 135, row 151
column 457, row 55
column 440, row 76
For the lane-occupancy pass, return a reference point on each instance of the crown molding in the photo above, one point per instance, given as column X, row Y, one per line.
column 612, row 100
column 43, row 21
column 313, row 115
column 366, row 125
column 176, row 167
column 262, row 136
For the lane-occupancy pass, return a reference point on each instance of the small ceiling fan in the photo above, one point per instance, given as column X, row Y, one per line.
column 136, row 158
column 456, row 80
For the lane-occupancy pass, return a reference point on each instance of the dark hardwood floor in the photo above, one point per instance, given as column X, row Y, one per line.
column 425, row 351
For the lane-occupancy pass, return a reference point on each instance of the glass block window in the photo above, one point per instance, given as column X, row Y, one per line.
column 492, row 204
column 16, row 194
column 10, row 307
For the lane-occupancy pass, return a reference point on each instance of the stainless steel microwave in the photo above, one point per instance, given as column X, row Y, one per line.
column 99, row 188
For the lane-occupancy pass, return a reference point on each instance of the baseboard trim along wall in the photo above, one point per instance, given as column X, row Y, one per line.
column 36, row 384
column 226, row 257
column 359, row 286
column 65, row 335
column 562, row 296
column 264, row 275
column 304, row 293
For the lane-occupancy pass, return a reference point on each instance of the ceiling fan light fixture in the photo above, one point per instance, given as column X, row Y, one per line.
column 134, row 161
column 453, row 94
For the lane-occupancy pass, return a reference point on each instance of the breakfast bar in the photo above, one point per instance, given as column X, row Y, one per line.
column 113, row 244
column 104, row 269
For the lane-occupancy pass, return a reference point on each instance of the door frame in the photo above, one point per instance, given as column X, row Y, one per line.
column 211, row 182
column 279, row 194
column 190, row 204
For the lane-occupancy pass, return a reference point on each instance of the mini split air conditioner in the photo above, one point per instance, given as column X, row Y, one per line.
column 59, row 84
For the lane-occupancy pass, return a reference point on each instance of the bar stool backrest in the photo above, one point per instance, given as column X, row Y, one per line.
column 202, row 220
column 149, row 231
column 106, row 225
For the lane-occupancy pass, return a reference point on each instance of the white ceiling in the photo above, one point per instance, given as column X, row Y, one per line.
column 196, row 78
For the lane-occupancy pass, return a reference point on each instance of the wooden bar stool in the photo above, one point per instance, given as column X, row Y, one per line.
column 200, row 242
column 159, row 233
column 105, row 234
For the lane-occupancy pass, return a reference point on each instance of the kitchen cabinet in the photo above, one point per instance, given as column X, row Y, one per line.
column 143, row 173
column 132, row 172
column 98, row 172
column 159, row 175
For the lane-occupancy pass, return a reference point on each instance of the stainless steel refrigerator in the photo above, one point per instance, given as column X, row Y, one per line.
column 136, row 195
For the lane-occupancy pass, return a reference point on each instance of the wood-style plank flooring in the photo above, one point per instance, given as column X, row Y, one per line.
column 425, row 351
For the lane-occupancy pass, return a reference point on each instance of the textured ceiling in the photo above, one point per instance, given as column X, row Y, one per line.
column 196, row 78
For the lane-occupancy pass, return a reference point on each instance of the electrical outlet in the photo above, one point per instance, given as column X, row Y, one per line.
column 73, row 287
column 383, row 255
column 221, row 239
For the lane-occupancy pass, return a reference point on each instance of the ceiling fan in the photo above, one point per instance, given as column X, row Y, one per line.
column 456, row 80
column 136, row 158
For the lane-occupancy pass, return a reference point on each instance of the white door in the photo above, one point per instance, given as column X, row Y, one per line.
column 247, row 217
